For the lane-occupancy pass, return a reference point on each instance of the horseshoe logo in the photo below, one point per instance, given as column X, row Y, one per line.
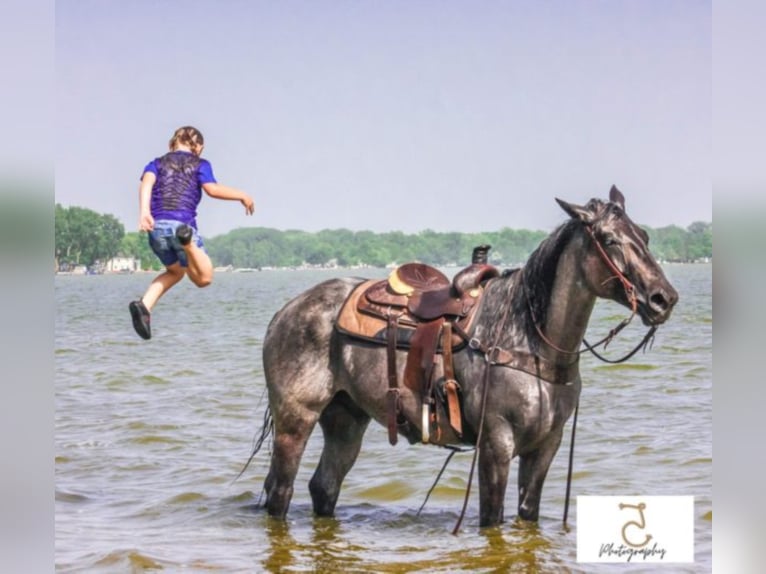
column 640, row 524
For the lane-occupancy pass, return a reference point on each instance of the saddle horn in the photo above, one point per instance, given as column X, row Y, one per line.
column 480, row 254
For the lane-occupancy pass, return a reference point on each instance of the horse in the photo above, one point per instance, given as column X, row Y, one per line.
column 536, row 315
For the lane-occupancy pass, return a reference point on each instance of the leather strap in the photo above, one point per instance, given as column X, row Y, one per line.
column 418, row 372
column 530, row 363
column 392, row 407
column 451, row 386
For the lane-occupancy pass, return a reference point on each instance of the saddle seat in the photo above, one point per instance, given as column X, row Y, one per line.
column 426, row 293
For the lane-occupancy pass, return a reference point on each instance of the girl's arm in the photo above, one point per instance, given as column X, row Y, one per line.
column 220, row 191
column 145, row 219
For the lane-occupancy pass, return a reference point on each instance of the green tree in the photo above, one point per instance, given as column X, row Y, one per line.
column 109, row 237
column 669, row 243
column 700, row 240
column 61, row 235
column 135, row 244
column 83, row 237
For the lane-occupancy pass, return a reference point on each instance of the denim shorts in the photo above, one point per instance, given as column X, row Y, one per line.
column 163, row 241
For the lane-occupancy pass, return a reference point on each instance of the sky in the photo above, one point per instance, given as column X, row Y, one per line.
column 397, row 115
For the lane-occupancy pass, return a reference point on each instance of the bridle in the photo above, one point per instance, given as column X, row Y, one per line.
column 630, row 293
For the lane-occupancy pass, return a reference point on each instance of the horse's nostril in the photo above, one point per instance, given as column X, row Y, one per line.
column 663, row 300
column 658, row 301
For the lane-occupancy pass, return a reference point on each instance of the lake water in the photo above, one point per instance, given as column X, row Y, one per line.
column 150, row 435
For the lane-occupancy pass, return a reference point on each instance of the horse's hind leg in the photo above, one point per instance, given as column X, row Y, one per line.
column 343, row 424
column 290, row 440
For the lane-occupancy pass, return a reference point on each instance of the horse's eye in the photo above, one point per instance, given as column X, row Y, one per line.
column 610, row 241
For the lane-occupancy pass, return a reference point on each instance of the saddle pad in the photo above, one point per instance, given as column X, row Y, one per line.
column 351, row 322
column 371, row 326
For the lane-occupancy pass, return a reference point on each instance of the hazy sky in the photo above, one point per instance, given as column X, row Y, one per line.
column 395, row 115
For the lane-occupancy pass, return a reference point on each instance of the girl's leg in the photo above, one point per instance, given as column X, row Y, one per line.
column 199, row 267
column 164, row 281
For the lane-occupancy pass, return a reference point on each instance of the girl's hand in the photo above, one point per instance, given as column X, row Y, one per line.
column 146, row 223
column 249, row 204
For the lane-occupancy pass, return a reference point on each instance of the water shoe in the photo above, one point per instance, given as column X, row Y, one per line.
column 141, row 318
column 184, row 234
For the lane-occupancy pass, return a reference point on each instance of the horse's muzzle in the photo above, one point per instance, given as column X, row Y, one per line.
column 658, row 305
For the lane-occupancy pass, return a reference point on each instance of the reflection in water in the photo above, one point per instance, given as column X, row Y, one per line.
column 519, row 548
column 327, row 550
column 330, row 548
column 281, row 546
column 325, row 545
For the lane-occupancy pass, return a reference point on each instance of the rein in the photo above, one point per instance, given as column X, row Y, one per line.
column 570, row 465
column 484, row 392
column 630, row 292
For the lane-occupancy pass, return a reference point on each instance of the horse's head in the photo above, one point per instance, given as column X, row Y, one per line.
column 619, row 265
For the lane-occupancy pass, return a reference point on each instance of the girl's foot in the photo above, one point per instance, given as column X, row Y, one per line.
column 184, row 233
column 141, row 319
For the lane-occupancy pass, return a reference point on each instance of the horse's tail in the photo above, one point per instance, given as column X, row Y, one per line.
column 266, row 429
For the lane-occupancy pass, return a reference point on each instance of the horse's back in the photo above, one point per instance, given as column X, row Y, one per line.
column 297, row 343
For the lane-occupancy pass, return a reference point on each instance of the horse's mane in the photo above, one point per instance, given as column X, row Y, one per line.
column 535, row 279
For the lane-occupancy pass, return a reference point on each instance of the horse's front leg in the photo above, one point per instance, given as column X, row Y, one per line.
column 533, row 468
column 495, row 454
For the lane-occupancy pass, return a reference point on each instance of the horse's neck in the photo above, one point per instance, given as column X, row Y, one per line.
column 507, row 320
column 570, row 304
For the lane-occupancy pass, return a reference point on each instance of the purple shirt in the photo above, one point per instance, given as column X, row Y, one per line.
column 178, row 189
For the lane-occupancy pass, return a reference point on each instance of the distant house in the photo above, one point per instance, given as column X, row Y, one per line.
column 123, row 265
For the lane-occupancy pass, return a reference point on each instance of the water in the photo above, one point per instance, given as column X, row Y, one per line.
column 150, row 436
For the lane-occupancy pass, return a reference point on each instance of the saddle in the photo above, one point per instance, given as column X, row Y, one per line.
column 420, row 310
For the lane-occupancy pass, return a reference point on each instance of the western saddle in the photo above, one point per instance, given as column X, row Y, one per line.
column 418, row 309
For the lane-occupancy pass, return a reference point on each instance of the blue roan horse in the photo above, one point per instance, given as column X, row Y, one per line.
column 534, row 316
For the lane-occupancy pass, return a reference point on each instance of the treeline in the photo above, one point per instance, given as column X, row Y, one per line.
column 84, row 237
column 673, row 243
column 263, row 247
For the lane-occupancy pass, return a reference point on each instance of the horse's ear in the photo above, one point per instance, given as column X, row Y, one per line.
column 576, row 211
column 615, row 196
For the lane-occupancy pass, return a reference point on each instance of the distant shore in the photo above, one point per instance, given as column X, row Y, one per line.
column 231, row 269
